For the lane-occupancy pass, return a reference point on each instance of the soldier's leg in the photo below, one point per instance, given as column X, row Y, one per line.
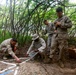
column 63, row 45
column 45, row 58
column 53, row 46
column 42, row 55
column 48, row 43
column 4, row 51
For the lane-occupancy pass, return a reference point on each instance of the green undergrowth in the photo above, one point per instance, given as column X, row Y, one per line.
column 72, row 41
column 28, row 39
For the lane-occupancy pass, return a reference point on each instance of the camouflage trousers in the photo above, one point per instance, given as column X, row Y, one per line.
column 58, row 44
column 4, row 51
column 49, row 42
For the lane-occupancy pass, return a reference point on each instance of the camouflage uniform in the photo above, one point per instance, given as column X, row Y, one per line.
column 59, row 40
column 6, row 48
column 49, row 30
column 40, row 45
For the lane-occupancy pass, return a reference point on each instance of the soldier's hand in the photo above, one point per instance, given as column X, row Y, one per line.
column 27, row 55
column 18, row 61
column 58, row 23
column 55, row 31
column 55, row 22
column 36, row 50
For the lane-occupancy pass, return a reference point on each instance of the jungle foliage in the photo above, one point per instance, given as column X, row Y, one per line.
column 22, row 18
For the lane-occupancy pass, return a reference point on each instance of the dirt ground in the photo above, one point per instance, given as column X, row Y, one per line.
column 38, row 67
column 3, row 66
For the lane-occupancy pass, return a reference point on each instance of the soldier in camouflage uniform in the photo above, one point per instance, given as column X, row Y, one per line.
column 38, row 44
column 49, row 30
column 8, row 47
column 59, row 40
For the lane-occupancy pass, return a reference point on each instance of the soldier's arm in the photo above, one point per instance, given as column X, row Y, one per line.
column 66, row 23
column 45, row 31
column 12, row 53
column 30, row 47
column 54, row 28
column 10, row 50
column 43, row 45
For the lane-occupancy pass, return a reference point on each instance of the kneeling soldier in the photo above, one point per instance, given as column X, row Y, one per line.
column 8, row 47
column 38, row 44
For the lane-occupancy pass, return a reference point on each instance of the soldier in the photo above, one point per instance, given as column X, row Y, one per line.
column 38, row 44
column 8, row 47
column 59, row 39
column 49, row 30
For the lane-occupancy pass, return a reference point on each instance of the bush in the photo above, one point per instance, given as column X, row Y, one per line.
column 72, row 41
column 21, row 39
column 26, row 39
column 4, row 35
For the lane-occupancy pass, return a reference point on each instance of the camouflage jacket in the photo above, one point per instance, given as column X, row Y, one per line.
column 49, row 29
column 62, row 30
column 40, row 45
column 6, row 44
